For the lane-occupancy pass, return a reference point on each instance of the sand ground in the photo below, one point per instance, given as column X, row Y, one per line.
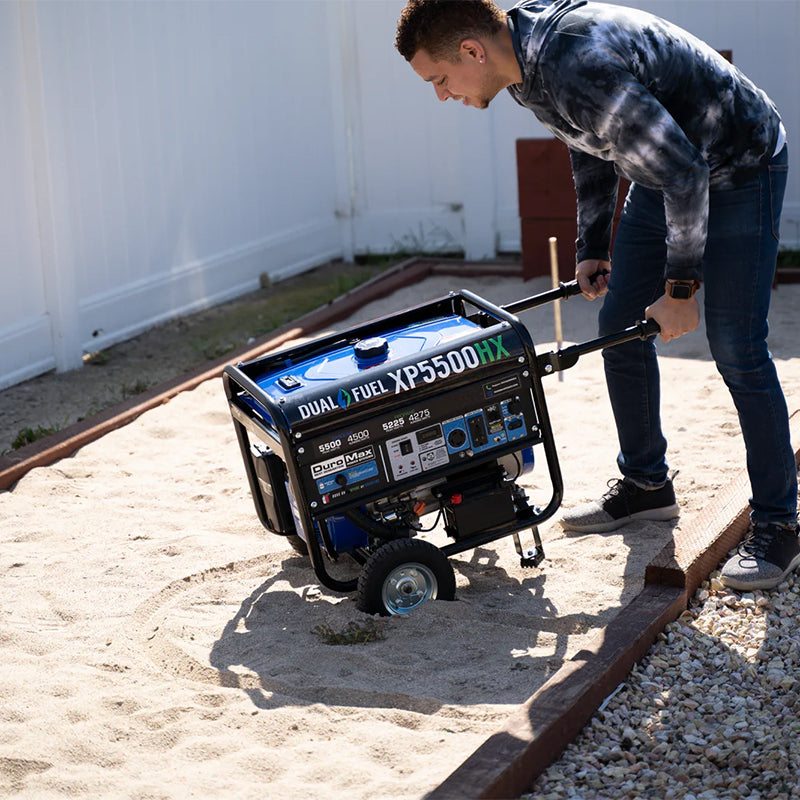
column 157, row 642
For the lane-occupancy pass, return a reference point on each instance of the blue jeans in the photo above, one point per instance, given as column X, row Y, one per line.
column 738, row 272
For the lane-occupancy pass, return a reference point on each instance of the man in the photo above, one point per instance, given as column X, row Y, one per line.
column 705, row 149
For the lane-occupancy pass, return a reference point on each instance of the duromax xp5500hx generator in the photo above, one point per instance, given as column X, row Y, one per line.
column 350, row 440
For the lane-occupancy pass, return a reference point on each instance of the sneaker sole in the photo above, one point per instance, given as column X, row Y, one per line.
column 653, row 515
column 771, row 583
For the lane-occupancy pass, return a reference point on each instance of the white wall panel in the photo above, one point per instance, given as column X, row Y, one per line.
column 191, row 150
column 405, row 145
column 26, row 346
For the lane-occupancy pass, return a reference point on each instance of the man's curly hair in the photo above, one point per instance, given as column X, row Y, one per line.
column 439, row 26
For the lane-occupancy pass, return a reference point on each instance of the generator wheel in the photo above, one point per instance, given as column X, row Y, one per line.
column 297, row 544
column 403, row 574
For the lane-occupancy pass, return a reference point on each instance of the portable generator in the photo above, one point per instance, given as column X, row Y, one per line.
column 351, row 439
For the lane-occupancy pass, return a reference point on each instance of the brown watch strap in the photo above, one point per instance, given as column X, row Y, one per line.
column 682, row 290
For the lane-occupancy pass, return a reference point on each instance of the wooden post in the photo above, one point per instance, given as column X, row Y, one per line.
column 557, row 303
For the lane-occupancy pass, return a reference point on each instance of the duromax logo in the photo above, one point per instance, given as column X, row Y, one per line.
column 344, row 398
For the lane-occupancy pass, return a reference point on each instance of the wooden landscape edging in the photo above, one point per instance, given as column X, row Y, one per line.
column 535, row 735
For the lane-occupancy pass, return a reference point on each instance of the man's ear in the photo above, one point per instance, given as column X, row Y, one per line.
column 472, row 49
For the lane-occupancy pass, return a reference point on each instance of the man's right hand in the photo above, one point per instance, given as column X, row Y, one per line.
column 594, row 268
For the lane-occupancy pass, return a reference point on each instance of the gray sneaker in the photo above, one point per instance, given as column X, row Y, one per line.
column 766, row 555
column 624, row 502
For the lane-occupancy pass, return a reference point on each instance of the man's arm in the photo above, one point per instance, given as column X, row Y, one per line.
column 596, row 185
column 653, row 151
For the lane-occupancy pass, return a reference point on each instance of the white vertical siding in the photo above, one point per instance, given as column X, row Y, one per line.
column 159, row 156
column 406, row 165
column 190, row 150
column 26, row 344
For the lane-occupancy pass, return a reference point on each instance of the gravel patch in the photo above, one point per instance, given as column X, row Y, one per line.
column 711, row 713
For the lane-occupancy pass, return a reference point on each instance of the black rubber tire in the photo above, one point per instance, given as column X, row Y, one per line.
column 419, row 565
column 297, row 544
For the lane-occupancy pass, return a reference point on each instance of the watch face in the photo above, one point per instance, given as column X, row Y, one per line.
column 680, row 291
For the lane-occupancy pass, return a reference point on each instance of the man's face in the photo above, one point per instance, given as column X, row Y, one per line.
column 470, row 79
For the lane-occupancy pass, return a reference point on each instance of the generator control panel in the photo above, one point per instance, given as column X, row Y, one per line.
column 406, row 444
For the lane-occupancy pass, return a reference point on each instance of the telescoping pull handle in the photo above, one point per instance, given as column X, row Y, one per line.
column 563, row 359
column 562, row 292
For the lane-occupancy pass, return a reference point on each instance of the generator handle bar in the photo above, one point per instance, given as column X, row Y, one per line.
column 563, row 359
column 562, row 292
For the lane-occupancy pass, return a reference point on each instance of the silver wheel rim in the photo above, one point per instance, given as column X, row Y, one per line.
column 407, row 587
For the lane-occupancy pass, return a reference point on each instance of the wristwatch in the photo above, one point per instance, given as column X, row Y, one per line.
column 682, row 290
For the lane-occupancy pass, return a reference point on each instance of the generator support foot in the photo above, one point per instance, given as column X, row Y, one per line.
column 533, row 556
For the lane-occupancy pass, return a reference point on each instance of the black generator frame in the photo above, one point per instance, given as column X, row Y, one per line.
column 241, row 380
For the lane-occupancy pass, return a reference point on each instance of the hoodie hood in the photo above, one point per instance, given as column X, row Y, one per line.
column 530, row 22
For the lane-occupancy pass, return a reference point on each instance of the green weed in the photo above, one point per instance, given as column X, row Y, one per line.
column 28, row 436
column 352, row 633
column 215, row 350
column 137, row 388
column 98, row 359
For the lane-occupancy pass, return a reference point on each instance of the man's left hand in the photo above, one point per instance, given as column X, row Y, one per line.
column 675, row 317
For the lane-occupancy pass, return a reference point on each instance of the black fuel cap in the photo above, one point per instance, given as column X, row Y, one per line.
column 374, row 349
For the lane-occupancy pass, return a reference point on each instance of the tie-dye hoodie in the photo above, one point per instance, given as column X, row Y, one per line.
column 630, row 93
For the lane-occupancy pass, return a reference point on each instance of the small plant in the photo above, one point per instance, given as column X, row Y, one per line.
column 352, row 633
column 434, row 241
column 28, row 436
column 137, row 388
column 98, row 359
column 217, row 350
